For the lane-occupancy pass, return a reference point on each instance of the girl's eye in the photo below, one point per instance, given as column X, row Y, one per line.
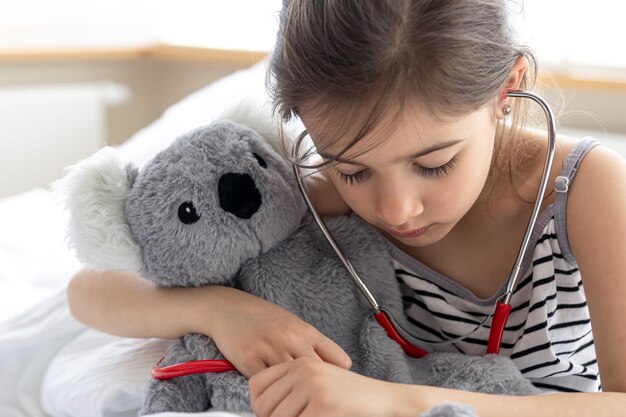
column 352, row 179
column 437, row 171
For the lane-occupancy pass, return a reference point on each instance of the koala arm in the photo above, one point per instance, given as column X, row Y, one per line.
column 124, row 304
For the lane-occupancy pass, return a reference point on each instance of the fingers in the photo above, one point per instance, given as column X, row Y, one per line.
column 261, row 381
column 255, row 365
column 324, row 351
column 281, row 401
column 331, row 352
column 273, row 392
column 251, row 368
column 252, row 362
column 292, row 406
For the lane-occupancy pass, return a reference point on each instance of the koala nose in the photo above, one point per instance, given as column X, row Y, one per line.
column 238, row 195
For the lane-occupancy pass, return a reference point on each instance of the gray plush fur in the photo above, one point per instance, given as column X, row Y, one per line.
column 192, row 169
column 253, row 232
column 450, row 410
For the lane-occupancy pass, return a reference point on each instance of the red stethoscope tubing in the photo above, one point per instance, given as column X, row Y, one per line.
column 409, row 348
column 498, row 324
column 191, row 368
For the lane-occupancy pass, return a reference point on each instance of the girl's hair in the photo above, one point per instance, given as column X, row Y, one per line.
column 353, row 61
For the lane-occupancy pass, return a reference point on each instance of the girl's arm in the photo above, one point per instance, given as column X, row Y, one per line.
column 251, row 332
column 124, row 304
column 304, row 388
column 414, row 399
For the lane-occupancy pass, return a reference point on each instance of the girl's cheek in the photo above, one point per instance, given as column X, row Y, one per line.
column 465, row 185
column 360, row 198
column 346, row 191
column 356, row 196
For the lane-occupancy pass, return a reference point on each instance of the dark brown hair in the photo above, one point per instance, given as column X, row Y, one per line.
column 450, row 56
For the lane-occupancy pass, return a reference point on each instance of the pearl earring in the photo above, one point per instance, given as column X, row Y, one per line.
column 506, row 109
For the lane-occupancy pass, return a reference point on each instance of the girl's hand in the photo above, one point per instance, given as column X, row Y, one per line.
column 309, row 388
column 254, row 334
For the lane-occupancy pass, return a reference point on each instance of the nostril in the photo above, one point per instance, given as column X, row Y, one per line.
column 238, row 195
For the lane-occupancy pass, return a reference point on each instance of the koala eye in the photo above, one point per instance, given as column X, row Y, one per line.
column 187, row 213
column 260, row 160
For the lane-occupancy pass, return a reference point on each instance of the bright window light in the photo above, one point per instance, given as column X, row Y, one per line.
column 565, row 34
column 67, row 24
column 231, row 24
column 575, row 33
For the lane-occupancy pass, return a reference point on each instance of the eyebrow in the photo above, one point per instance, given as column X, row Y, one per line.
column 416, row 155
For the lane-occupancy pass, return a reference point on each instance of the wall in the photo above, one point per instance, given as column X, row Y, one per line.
column 153, row 84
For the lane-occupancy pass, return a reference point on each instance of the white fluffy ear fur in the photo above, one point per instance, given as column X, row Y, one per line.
column 95, row 192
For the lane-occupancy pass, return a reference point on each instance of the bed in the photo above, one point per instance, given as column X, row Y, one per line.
column 39, row 339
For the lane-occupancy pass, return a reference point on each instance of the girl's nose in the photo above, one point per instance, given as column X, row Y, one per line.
column 396, row 206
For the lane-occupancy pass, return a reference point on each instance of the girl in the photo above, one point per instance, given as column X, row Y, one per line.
column 403, row 100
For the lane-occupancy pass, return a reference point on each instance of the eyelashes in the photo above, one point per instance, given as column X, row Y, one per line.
column 352, row 179
column 440, row 171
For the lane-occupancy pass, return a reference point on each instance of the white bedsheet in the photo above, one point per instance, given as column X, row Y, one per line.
column 27, row 345
column 52, row 365
column 110, row 381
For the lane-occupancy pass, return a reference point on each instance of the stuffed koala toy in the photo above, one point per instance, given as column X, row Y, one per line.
column 221, row 207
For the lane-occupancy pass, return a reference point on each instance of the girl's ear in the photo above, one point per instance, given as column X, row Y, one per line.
column 514, row 82
column 95, row 192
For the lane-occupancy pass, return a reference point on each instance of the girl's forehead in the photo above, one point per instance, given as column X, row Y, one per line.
column 331, row 136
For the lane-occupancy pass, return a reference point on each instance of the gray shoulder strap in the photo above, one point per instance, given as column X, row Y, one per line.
column 561, row 187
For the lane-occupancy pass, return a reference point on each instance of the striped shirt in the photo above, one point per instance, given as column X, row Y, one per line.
column 548, row 334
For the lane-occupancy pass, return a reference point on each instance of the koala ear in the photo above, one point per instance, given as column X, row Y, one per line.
column 95, row 192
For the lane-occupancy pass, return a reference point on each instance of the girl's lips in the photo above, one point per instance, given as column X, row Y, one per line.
column 410, row 233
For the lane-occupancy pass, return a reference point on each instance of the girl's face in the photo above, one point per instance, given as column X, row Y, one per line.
column 424, row 173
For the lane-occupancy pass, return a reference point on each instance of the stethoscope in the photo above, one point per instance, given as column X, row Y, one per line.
column 408, row 342
column 502, row 307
